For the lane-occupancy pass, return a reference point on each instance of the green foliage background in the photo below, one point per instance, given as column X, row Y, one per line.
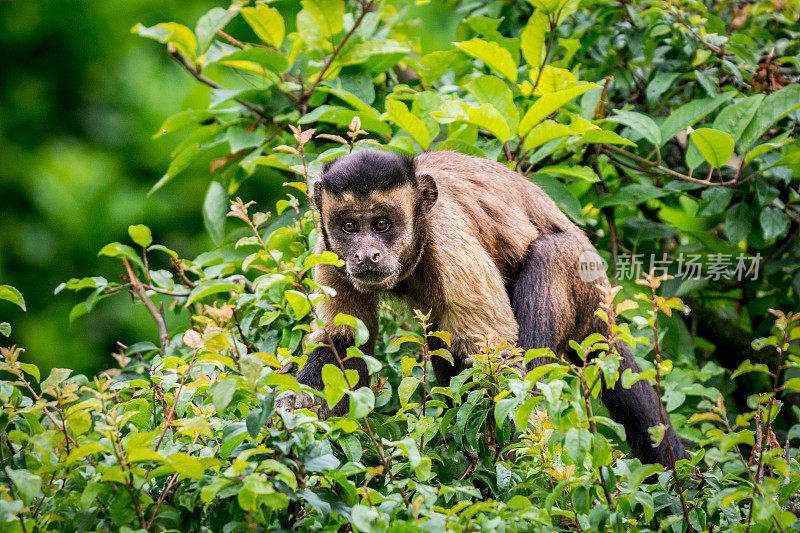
column 660, row 127
column 80, row 101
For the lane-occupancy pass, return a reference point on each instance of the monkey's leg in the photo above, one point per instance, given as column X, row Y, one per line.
column 553, row 305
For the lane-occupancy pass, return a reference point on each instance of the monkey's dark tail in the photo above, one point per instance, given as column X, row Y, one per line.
column 638, row 409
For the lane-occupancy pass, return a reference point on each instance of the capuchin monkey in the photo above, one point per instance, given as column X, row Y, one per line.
column 480, row 246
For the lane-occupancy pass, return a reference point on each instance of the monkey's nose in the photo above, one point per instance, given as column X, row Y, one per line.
column 376, row 256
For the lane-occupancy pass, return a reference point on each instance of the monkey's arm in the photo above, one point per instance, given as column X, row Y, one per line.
column 336, row 339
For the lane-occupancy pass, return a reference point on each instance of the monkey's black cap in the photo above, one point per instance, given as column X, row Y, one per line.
column 367, row 170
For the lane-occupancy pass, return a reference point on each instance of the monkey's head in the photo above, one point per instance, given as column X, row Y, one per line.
column 373, row 207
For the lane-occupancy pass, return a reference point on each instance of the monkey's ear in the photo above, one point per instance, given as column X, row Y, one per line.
column 318, row 196
column 427, row 188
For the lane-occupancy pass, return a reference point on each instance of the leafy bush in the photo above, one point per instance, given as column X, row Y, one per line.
column 697, row 155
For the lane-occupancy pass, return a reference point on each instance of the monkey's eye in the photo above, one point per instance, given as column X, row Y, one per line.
column 349, row 226
column 381, row 224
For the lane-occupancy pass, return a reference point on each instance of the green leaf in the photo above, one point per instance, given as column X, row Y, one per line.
column 747, row 367
column 176, row 34
column 263, row 57
column 690, row 113
column 774, row 107
column 5, row 328
column 121, row 509
column 550, row 103
column 577, row 443
column 207, row 26
column 209, row 287
column 141, row 235
column 553, row 79
column 11, row 294
column 370, row 52
column 659, row 84
column 718, row 199
column 328, row 14
column 657, row 433
column 185, row 465
column 493, row 56
column 633, row 194
column 489, row 118
column 29, row 368
column 545, row 132
column 575, row 171
column 317, row 457
column 560, row 195
column 239, row 138
column 716, row 146
column 362, row 402
column 642, row 124
column 397, row 112
column 774, row 222
column 116, row 249
column 443, row 335
column 56, row 377
column 738, row 222
column 83, row 451
column 406, row 389
column 28, row 485
column 792, row 384
column 325, row 258
column 532, row 39
column 734, row 118
column 222, row 393
column 360, row 329
column 299, row 303
column 337, row 383
column 251, row 366
column 215, row 209
column 266, row 22
column 492, row 90
column 766, row 147
column 603, row 137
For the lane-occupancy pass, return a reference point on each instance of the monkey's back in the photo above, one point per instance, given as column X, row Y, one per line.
column 507, row 211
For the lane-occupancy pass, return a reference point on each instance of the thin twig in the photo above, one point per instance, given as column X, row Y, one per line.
column 166, row 489
column 662, row 413
column 171, row 413
column 306, row 93
column 158, row 317
column 652, row 167
column 195, row 72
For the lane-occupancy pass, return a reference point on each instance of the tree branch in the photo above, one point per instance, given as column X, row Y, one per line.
column 306, row 93
column 195, row 72
column 652, row 167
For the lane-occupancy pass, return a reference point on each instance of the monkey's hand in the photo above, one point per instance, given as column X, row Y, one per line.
column 292, row 401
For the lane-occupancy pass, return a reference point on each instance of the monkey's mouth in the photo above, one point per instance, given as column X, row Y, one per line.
column 372, row 280
column 371, row 277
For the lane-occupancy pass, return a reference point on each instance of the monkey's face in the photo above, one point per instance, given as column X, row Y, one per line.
column 374, row 236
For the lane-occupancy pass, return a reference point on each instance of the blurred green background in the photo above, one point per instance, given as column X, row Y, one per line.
column 80, row 98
